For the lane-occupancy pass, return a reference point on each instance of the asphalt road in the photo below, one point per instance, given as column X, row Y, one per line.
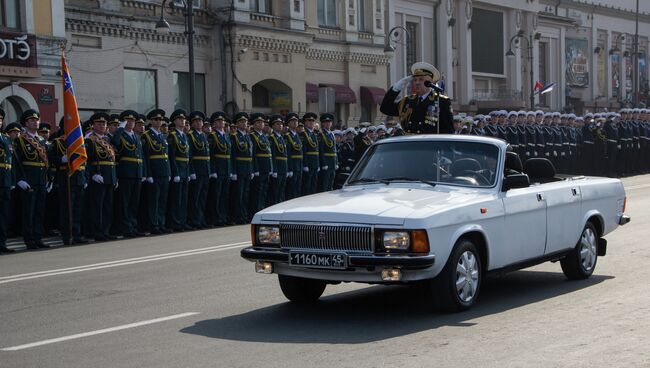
column 188, row 300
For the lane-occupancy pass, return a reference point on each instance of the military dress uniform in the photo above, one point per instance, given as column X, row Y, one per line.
column 328, row 159
column 179, row 164
column 262, row 166
column 103, row 179
column 220, row 166
column 242, row 165
column 130, row 171
column 158, row 173
column 613, row 148
column 78, row 182
column 31, row 177
column 428, row 114
column 279, row 151
column 6, row 182
column 294, row 161
column 199, row 174
column 311, row 160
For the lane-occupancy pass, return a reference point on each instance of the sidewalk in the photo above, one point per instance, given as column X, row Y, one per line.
column 17, row 244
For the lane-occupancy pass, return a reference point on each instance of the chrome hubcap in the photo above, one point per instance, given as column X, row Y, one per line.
column 588, row 249
column 467, row 276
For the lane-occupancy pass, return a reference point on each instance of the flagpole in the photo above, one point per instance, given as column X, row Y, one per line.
column 70, row 217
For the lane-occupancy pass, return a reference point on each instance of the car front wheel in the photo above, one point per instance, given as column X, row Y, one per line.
column 457, row 286
column 301, row 290
column 580, row 263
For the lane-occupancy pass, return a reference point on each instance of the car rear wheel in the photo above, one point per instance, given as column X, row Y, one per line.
column 580, row 263
column 301, row 290
column 457, row 286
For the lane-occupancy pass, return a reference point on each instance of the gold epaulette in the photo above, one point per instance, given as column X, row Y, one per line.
column 443, row 96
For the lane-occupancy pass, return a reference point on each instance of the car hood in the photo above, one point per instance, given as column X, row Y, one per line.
column 366, row 204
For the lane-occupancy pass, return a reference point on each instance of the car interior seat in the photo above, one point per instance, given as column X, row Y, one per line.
column 540, row 170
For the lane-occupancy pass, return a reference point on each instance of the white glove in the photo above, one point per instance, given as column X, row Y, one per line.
column 214, row 176
column 98, row 179
column 169, row 178
column 85, row 185
column 256, row 173
column 150, row 180
column 274, row 175
column 325, row 167
column 252, row 176
column 192, row 176
column 336, row 167
column 619, row 146
column 122, row 124
column 64, row 159
column 24, row 185
column 400, row 84
column 177, row 179
column 347, row 168
column 49, row 186
column 117, row 185
column 289, row 174
column 318, row 169
column 143, row 180
column 305, row 169
column 12, row 187
column 233, row 177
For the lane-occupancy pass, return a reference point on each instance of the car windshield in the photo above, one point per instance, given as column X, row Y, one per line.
column 445, row 162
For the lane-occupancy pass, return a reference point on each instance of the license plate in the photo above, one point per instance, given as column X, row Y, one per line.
column 318, row 260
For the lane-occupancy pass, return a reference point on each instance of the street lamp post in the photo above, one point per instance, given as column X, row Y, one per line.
column 389, row 50
column 511, row 54
column 163, row 27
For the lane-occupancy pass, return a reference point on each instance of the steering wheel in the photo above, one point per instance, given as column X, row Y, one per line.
column 480, row 178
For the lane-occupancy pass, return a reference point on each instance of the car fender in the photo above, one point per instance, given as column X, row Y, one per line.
column 470, row 228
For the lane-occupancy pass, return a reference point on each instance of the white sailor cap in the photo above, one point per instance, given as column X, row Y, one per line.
column 350, row 130
column 539, row 112
column 556, row 114
column 338, row 132
column 422, row 68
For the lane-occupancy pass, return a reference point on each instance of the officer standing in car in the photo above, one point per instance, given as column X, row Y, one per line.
column 423, row 110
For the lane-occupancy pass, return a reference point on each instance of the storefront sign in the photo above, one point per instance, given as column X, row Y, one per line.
column 16, row 71
column 18, row 50
column 45, row 96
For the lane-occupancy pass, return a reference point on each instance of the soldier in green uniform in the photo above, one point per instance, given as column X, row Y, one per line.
column 31, row 177
column 103, row 178
column 327, row 153
column 242, row 165
column 280, row 168
column 294, row 156
column 310, row 150
column 130, row 171
column 220, row 170
column 427, row 111
column 113, row 125
column 179, row 164
column 157, row 171
column 262, row 163
column 199, row 171
column 78, row 182
column 6, row 182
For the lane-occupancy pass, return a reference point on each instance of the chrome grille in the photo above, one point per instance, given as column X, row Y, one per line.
column 326, row 237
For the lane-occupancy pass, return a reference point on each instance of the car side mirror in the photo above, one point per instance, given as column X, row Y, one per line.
column 515, row 181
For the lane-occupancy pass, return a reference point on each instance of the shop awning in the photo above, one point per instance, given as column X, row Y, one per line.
column 312, row 92
column 342, row 93
column 372, row 95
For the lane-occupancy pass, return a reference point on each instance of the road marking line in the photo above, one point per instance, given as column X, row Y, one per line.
column 97, row 332
column 125, row 262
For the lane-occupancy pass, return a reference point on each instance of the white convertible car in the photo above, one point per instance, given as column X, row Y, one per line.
column 439, row 210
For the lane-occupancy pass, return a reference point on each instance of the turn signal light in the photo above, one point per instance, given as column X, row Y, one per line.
column 420, row 241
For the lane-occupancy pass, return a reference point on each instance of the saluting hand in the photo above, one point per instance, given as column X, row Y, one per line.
column 24, row 185
column 400, row 84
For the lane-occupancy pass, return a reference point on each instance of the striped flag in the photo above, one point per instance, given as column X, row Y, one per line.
column 74, row 139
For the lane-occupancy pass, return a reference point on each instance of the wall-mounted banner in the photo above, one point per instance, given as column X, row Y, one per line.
column 577, row 64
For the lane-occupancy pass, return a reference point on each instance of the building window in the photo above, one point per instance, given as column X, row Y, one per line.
column 140, row 90
column 363, row 15
column 182, row 91
column 261, row 6
column 327, row 13
column 543, row 71
column 487, row 42
column 411, row 43
column 10, row 14
column 195, row 3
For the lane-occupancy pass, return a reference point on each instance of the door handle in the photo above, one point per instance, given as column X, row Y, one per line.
column 540, row 197
column 574, row 191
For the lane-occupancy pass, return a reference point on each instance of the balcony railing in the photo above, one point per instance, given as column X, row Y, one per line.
column 497, row 94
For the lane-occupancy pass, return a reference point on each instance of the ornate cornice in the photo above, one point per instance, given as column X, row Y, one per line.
column 353, row 57
column 272, row 44
column 129, row 31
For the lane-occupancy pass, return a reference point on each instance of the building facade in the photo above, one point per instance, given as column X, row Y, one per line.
column 493, row 53
column 31, row 35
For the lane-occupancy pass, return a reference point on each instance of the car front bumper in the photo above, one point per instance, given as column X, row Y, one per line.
column 406, row 262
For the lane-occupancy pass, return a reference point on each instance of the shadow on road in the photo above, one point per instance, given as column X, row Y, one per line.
column 381, row 312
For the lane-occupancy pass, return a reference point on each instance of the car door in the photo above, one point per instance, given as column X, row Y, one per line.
column 524, row 225
column 563, row 217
